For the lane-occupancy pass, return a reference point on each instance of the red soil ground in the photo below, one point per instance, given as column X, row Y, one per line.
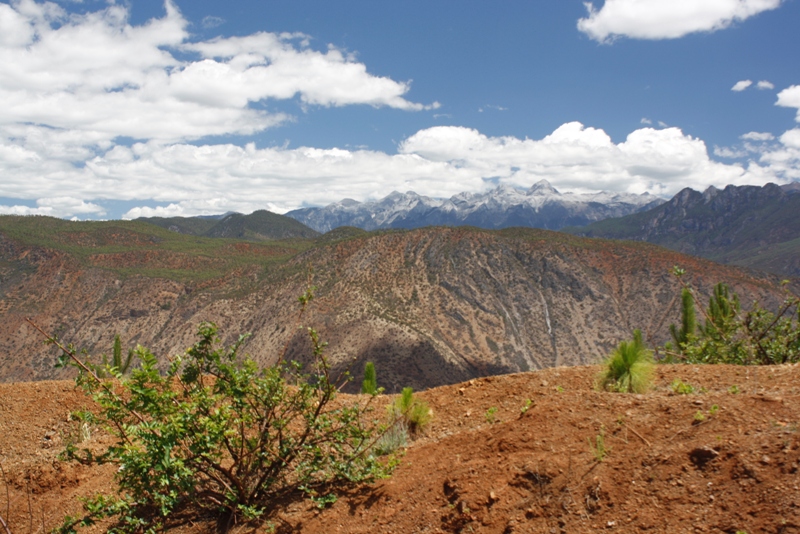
column 724, row 459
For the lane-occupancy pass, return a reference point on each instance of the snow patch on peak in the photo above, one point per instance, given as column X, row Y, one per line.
column 543, row 187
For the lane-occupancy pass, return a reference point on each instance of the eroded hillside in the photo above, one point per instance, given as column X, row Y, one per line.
column 429, row 307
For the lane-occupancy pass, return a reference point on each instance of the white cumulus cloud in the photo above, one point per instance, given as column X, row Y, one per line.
column 55, row 207
column 765, row 84
column 741, row 85
column 657, row 19
column 790, row 98
column 97, row 77
column 187, row 179
column 757, row 136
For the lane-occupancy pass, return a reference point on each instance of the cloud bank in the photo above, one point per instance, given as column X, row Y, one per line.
column 656, row 19
column 440, row 161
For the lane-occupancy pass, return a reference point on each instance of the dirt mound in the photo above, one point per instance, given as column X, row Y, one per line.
column 508, row 454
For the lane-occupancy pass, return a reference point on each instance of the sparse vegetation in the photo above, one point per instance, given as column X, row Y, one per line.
column 728, row 335
column 490, row 415
column 394, row 438
column 414, row 412
column 629, row 368
column 681, row 388
column 599, row 449
column 101, row 244
column 699, row 417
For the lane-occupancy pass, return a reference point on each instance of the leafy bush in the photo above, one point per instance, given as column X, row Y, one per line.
column 219, row 433
column 629, row 368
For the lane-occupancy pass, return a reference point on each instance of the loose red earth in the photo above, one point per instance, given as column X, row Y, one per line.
column 723, row 459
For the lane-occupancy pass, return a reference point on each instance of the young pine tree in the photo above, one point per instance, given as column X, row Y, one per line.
column 688, row 320
column 370, row 383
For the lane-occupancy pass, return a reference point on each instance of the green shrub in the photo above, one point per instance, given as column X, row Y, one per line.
column 117, row 364
column 217, row 432
column 629, row 368
column 414, row 412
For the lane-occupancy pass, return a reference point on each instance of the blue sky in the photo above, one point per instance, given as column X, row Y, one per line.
column 147, row 108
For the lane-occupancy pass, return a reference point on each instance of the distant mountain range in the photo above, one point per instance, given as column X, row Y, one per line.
column 260, row 225
column 751, row 226
column 541, row 206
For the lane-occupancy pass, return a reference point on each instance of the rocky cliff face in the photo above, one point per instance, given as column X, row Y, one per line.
column 429, row 307
column 752, row 226
column 541, row 206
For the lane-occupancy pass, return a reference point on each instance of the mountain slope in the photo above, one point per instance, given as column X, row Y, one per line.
column 752, row 226
column 431, row 306
column 541, row 206
column 260, row 225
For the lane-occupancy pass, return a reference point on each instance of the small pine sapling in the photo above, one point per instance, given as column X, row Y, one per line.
column 416, row 413
column 629, row 368
column 370, row 384
column 681, row 336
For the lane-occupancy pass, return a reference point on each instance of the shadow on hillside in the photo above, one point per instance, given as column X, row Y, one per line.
column 419, row 365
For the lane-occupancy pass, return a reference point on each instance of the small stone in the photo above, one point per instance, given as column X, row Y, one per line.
column 766, row 460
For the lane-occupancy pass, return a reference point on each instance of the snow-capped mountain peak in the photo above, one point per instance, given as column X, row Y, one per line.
column 541, row 206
